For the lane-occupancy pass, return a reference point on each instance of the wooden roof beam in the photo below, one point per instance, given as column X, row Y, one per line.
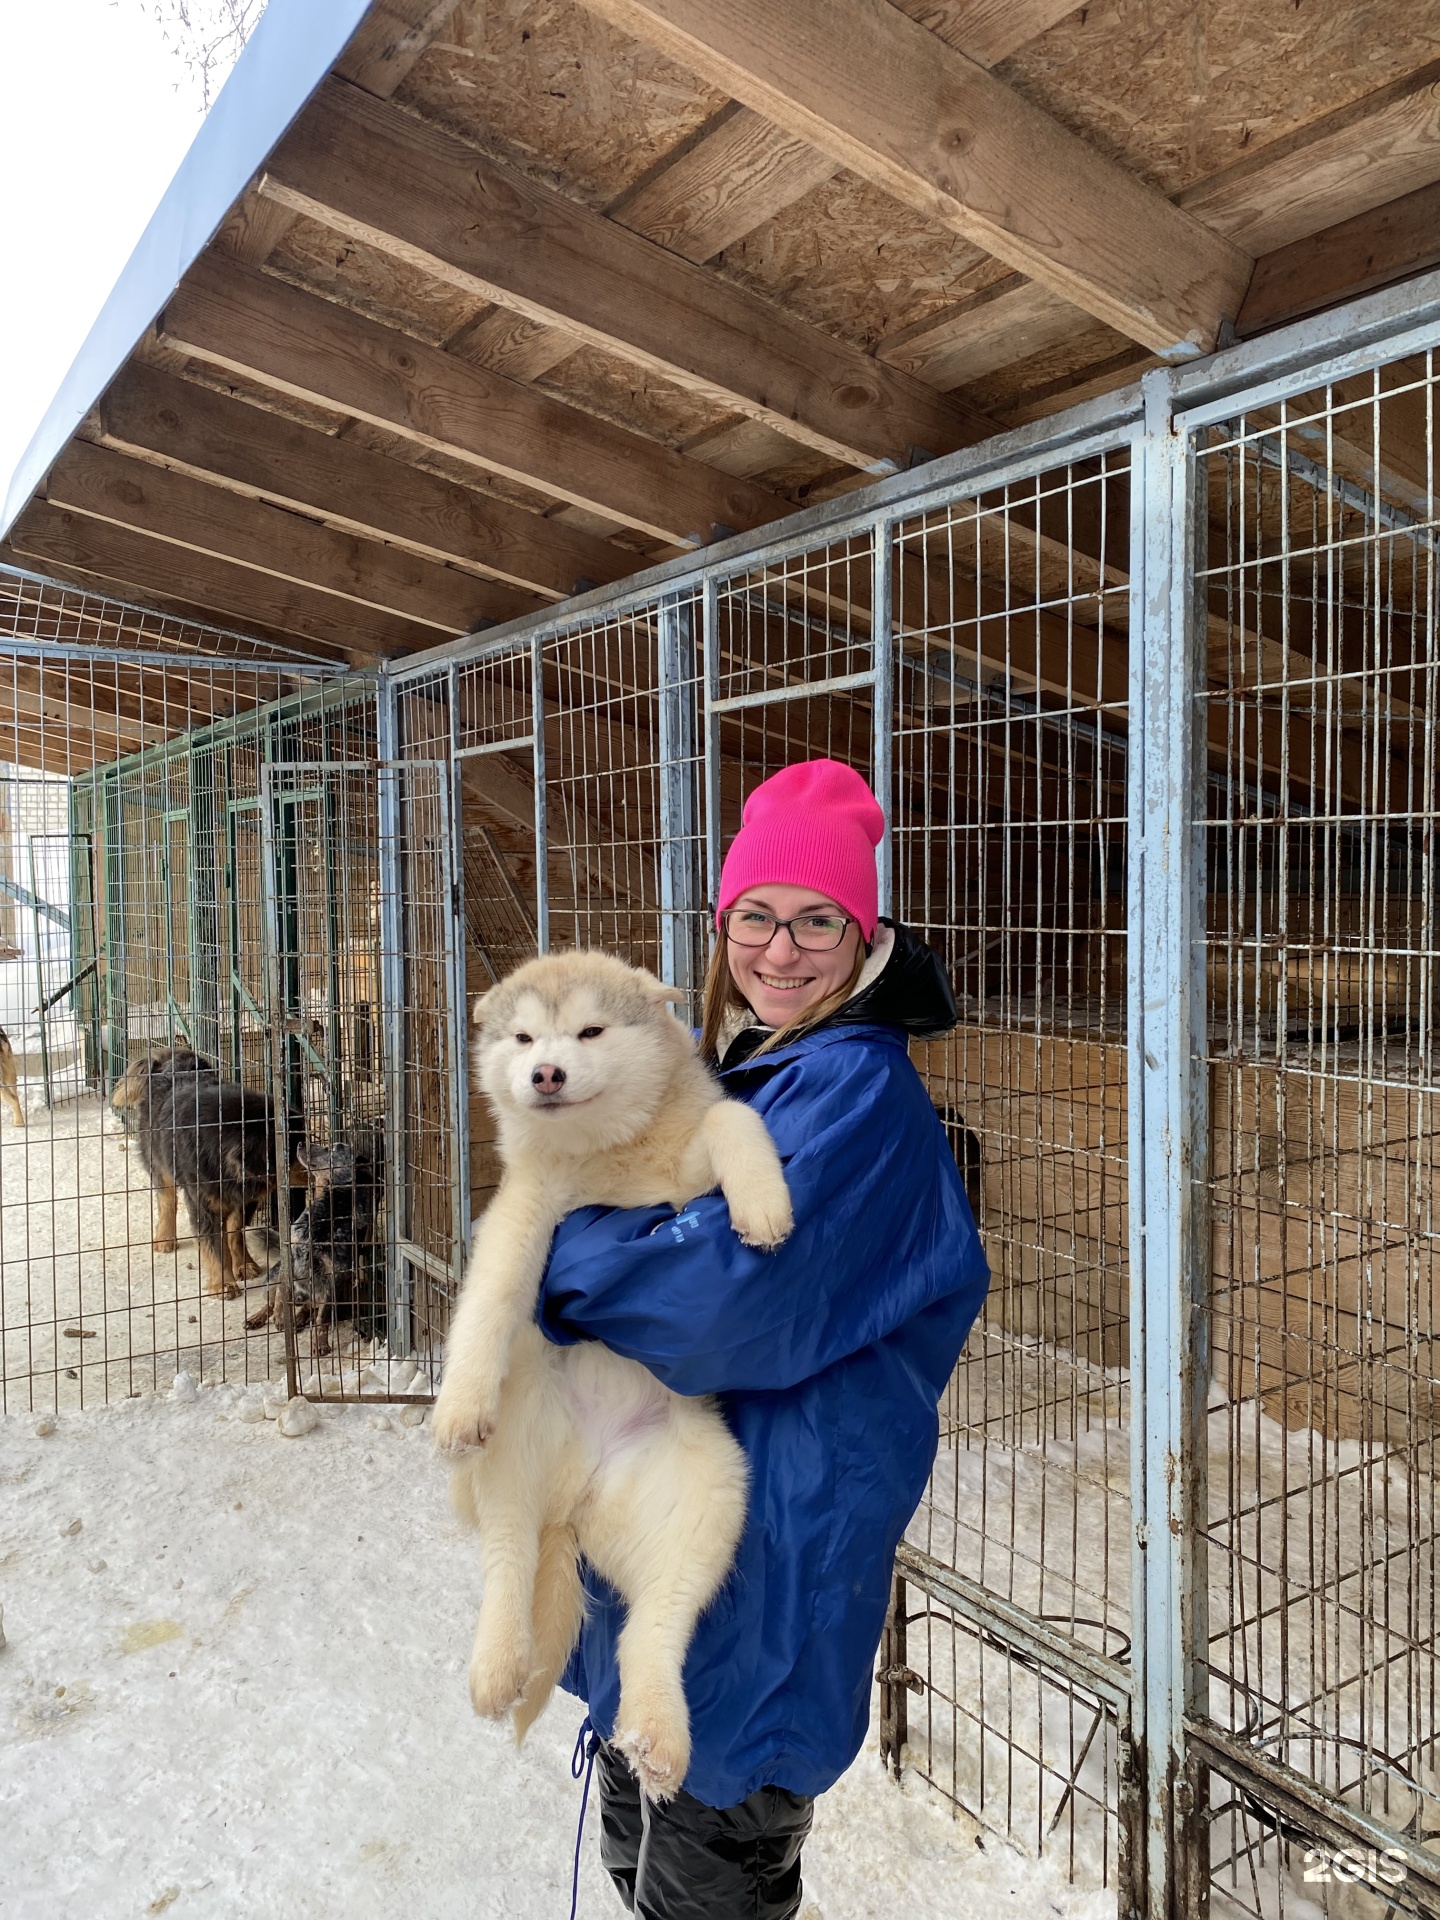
column 1380, row 149
column 297, row 343
column 117, row 558
column 244, row 447
column 742, row 169
column 1353, row 257
column 361, row 574
column 415, row 192
column 390, row 40
column 888, row 99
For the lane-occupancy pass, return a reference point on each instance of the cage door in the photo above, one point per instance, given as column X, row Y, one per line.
column 424, row 1001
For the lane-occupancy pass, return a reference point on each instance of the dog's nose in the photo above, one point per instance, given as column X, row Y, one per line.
column 548, row 1079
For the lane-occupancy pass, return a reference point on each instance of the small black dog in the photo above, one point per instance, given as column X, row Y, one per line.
column 331, row 1245
column 210, row 1139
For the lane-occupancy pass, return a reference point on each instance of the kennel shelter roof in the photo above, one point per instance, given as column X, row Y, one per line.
column 454, row 311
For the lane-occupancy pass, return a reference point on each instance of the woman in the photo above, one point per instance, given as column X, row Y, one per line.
column 830, row 1354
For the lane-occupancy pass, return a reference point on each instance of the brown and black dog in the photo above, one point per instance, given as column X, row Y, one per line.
column 210, row 1139
column 10, row 1080
column 331, row 1245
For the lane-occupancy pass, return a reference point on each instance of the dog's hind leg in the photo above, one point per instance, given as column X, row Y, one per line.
column 502, row 1657
column 210, row 1216
column 555, row 1621
column 663, row 1528
column 165, row 1197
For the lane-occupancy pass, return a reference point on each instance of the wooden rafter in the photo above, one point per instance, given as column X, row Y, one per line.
column 1373, row 249
column 388, row 42
column 140, row 567
column 176, row 507
column 1384, row 146
column 389, row 181
column 252, row 451
column 891, row 101
column 741, row 170
column 297, row 343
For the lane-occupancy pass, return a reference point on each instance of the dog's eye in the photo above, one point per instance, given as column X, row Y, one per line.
column 591, row 1033
column 524, row 1039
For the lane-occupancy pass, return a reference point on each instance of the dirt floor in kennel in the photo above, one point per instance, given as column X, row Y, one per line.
column 234, row 1684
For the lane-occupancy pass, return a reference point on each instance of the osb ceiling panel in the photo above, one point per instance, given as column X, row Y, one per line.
column 850, row 259
column 617, row 390
column 1179, row 89
column 558, row 91
column 375, row 283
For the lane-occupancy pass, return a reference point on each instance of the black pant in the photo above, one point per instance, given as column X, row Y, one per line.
column 687, row 1861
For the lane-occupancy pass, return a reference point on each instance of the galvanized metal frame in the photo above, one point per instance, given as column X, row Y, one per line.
column 1169, row 1130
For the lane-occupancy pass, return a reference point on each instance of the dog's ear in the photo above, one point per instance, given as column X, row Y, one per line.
column 658, row 990
column 478, row 1005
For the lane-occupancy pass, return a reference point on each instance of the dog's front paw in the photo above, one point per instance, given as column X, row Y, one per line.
column 653, row 1733
column 165, row 1243
column 762, row 1221
column 223, row 1289
column 460, row 1426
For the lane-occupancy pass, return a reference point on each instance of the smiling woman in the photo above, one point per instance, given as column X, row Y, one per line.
column 829, row 1353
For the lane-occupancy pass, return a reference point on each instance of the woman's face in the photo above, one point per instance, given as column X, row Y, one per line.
column 782, row 981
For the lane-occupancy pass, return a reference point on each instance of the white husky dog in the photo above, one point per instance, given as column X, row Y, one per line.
column 601, row 1099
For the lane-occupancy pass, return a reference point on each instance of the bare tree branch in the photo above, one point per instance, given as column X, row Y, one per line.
column 206, row 36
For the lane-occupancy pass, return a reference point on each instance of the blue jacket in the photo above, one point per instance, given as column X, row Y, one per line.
column 830, row 1356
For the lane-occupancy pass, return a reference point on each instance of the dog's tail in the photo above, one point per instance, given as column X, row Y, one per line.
column 556, row 1619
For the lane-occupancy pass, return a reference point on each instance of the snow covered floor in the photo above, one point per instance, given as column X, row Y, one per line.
column 234, row 1685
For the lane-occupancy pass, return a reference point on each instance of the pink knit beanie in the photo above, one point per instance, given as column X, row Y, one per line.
column 816, row 825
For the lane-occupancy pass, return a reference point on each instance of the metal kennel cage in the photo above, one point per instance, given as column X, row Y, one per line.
column 1149, row 693
column 188, row 858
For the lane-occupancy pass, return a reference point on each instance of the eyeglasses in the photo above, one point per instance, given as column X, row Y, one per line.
column 812, row 932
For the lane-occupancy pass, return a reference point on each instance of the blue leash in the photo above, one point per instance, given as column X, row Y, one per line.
column 582, row 1760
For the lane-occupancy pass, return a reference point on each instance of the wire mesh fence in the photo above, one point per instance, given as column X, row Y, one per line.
column 188, row 966
column 1320, row 811
column 1009, row 844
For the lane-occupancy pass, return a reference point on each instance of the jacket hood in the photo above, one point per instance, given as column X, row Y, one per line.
column 911, row 990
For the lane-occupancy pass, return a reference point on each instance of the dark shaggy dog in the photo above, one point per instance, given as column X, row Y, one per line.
column 331, row 1243
column 10, row 1080
column 209, row 1139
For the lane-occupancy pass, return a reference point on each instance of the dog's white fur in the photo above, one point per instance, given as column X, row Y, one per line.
column 569, row 1450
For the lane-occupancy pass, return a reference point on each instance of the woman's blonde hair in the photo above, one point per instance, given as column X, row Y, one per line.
column 722, row 995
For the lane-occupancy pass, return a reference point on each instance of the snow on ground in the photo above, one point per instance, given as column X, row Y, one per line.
column 234, row 1685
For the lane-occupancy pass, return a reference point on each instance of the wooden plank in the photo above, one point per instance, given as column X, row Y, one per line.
column 988, row 31
column 254, row 229
column 1375, row 150
column 741, row 170
column 250, row 450
column 509, row 344
column 202, row 518
column 920, row 120
column 1372, row 250
column 138, row 565
column 1004, row 323
column 190, row 631
column 741, row 173
column 300, row 344
column 1340, row 165
column 390, row 40
column 390, row 181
